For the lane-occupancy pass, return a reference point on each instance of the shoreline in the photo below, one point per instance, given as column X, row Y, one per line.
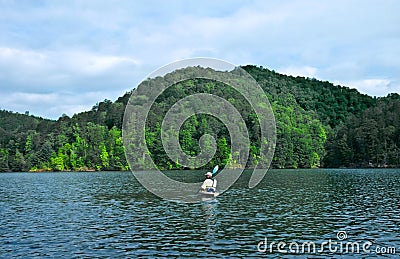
column 116, row 170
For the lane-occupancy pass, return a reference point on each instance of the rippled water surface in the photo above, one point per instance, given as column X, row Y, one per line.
column 109, row 214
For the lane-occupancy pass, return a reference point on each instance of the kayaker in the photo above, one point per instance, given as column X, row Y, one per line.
column 209, row 184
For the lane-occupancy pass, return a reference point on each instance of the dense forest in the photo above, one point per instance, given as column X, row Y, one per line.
column 318, row 124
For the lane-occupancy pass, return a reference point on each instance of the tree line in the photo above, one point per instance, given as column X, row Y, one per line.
column 318, row 124
column 371, row 139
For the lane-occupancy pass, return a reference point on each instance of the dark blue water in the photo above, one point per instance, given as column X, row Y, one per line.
column 112, row 215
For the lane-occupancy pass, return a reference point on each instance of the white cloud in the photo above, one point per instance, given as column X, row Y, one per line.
column 305, row 71
column 373, row 87
column 92, row 64
column 21, row 58
column 77, row 61
column 53, row 105
column 48, row 71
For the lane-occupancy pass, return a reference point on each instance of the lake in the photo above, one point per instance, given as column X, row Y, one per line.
column 291, row 212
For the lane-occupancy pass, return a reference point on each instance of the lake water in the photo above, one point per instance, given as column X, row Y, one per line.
column 109, row 214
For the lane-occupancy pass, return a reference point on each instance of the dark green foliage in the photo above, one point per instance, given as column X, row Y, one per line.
column 318, row 124
column 87, row 141
column 371, row 139
column 333, row 104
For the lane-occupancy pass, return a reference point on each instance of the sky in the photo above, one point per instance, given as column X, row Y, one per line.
column 63, row 57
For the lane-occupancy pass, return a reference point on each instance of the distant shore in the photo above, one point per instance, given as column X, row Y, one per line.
column 88, row 170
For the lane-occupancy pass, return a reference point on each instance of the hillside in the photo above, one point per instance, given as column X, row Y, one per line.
column 318, row 124
column 333, row 103
column 371, row 139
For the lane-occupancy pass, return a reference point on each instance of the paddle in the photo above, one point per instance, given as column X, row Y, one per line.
column 215, row 169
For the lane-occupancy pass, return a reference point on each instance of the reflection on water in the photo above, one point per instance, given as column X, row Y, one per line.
column 111, row 215
column 209, row 207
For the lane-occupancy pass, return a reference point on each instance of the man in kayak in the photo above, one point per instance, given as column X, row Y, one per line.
column 209, row 184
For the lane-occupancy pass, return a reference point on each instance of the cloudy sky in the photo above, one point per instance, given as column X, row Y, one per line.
column 65, row 56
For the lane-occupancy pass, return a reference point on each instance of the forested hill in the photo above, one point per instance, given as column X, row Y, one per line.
column 333, row 104
column 318, row 125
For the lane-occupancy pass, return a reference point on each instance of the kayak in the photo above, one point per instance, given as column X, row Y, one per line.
column 208, row 194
